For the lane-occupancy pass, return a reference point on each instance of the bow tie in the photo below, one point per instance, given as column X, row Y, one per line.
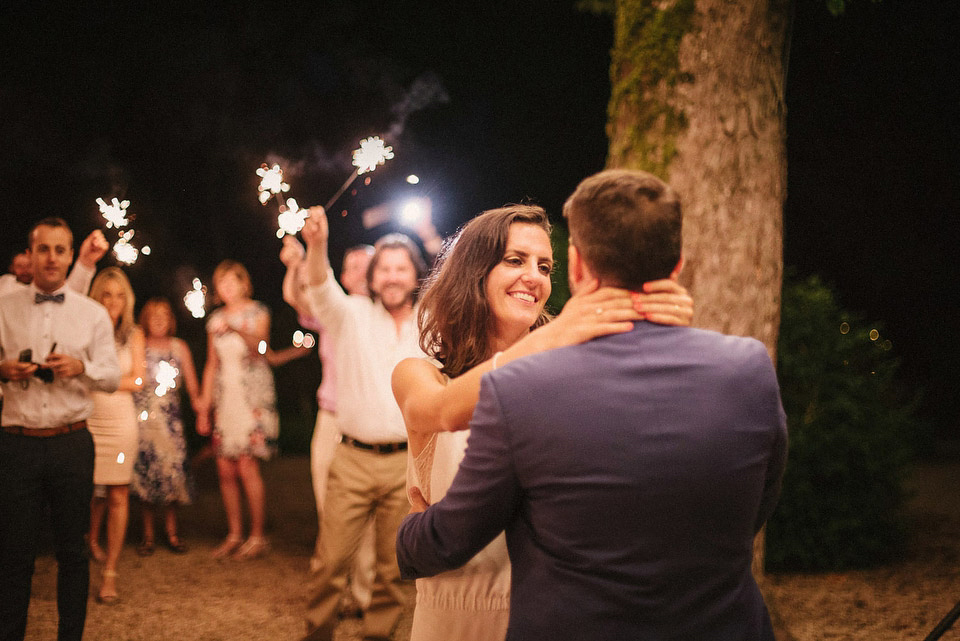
column 40, row 297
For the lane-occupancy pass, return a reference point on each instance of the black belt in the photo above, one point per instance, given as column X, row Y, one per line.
column 44, row 432
column 379, row 448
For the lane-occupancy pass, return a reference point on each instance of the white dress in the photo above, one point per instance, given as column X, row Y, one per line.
column 245, row 421
column 113, row 425
column 471, row 603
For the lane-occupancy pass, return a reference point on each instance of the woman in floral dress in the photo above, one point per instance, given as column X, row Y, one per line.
column 160, row 475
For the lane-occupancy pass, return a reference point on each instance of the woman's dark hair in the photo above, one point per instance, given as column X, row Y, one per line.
column 454, row 315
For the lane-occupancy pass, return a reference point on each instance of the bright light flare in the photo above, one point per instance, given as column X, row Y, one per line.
column 166, row 378
column 262, row 347
column 195, row 299
column 115, row 213
column 271, row 182
column 371, row 154
column 413, row 179
column 291, row 218
column 412, row 213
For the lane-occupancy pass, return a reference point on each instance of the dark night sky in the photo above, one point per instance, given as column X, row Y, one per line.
column 174, row 107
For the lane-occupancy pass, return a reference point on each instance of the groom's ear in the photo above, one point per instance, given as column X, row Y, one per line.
column 577, row 271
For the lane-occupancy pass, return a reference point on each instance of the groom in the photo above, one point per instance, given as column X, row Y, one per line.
column 631, row 472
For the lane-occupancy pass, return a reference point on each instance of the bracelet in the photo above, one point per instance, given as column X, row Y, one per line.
column 495, row 357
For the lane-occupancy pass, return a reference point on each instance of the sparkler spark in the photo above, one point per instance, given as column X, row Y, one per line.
column 271, row 182
column 371, row 154
column 166, row 378
column 195, row 299
column 115, row 213
column 291, row 218
column 124, row 251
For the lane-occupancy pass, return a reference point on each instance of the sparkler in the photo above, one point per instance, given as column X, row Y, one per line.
column 166, row 378
column 195, row 299
column 115, row 213
column 271, row 183
column 124, row 251
column 371, row 154
column 291, row 218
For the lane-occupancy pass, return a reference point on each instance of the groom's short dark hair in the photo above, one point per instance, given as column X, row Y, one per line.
column 627, row 226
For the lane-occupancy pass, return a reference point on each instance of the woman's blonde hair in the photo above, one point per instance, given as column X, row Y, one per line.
column 125, row 323
column 237, row 269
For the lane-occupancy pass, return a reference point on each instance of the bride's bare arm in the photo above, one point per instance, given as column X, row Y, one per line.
column 429, row 404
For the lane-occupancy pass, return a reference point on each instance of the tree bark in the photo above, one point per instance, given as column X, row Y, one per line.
column 698, row 99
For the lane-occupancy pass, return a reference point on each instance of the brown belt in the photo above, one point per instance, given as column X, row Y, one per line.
column 379, row 448
column 44, row 432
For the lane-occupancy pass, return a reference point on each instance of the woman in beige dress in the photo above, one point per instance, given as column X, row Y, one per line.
column 484, row 306
column 113, row 425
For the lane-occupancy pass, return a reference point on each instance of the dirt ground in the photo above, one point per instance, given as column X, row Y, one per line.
column 192, row 597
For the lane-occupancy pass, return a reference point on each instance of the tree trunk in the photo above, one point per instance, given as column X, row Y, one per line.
column 698, row 99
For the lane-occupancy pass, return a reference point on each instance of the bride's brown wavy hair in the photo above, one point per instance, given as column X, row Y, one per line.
column 454, row 314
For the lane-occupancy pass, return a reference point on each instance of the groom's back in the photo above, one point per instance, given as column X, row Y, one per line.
column 643, row 459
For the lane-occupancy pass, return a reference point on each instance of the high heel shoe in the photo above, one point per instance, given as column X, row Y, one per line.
column 253, row 548
column 227, row 548
column 110, row 597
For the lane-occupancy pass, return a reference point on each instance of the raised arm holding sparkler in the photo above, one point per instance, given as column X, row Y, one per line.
column 291, row 218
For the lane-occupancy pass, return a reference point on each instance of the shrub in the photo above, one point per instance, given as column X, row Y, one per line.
column 850, row 435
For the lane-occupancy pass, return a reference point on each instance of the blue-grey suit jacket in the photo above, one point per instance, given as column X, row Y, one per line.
column 630, row 474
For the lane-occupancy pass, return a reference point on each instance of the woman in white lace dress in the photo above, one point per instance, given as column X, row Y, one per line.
column 238, row 391
column 482, row 307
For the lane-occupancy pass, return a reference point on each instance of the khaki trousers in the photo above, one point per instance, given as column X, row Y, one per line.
column 323, row 445
column 361, row 486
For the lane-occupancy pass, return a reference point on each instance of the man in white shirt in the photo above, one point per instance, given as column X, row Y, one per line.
column 326, row 434
column 367, row 475
column 92, row 249
column 55, row 347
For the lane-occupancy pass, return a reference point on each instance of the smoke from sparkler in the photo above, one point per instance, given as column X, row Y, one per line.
column 426, row 91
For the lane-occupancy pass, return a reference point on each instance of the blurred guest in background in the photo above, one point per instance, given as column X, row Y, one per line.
column 114, row 427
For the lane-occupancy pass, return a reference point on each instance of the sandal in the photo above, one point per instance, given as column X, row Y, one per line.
column 175, row 545
column 111, row 597
column 227, row 548
column 254, row 548
column 145, row 547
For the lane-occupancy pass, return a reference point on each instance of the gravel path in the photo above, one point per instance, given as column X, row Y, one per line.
column 191, row 597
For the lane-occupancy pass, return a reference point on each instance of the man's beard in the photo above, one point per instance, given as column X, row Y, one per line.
column 390, row 305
